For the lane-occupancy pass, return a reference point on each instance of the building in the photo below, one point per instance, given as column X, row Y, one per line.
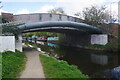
column 8, row 16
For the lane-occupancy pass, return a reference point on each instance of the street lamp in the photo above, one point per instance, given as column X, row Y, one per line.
column 119, row 12
column 111, row 11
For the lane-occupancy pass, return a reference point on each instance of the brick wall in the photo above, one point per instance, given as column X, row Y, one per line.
column 112, row 28
column 9, row 16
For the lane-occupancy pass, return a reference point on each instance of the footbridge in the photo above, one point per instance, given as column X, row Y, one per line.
column 60, row 27
column 77, row 33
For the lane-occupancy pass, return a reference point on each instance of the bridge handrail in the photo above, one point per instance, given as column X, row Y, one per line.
column 11, row 23
column 71, row 24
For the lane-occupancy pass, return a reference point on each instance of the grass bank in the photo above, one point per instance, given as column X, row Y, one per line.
column 12, row 64
column 0, row 66
column 113, row 46
column 59, row 69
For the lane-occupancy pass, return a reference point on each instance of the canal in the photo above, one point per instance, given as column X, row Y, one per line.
column 96, row 64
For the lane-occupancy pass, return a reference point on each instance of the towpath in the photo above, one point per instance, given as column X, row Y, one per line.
column 33, row 68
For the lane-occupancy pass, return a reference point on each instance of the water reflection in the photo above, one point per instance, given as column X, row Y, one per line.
column 99, row 59
column 52, row 45
column 42, row 43
column 92, row 63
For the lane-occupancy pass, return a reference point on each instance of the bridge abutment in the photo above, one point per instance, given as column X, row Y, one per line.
column 79, row 40
column 18, row 43
column 101, row 39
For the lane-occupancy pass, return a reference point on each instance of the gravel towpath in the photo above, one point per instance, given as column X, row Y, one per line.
column 33, row 67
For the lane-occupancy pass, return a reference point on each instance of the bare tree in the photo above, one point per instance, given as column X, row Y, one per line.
column 0, row 6
column 95, row 15
column 57, row 11
column 78, row 15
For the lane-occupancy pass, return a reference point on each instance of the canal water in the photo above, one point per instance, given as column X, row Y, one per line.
column 96, row 64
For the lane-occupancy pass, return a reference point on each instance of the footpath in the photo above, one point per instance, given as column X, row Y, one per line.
column 33, row 68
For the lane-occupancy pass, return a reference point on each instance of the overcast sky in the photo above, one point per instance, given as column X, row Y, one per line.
column 42, row 6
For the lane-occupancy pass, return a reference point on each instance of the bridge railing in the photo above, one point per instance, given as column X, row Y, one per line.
column 11, row 23
column 40, row 17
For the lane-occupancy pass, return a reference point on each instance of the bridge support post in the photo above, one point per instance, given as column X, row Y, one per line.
column 79, row 40
column 18, row 43
column 99, row 39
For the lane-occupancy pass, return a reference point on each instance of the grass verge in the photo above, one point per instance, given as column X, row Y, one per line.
column 113, row 46
column 0, row 66
column 59, row 69
column 12, row 64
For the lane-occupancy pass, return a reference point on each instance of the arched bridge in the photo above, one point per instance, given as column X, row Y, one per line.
column 69, row 28
column 60, row 27
column 86, row 34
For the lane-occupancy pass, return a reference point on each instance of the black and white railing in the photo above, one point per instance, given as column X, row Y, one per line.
column 11, row 23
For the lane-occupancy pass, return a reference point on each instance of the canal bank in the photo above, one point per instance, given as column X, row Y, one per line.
column 113, row 46
column 54, row 68
column 90, row 62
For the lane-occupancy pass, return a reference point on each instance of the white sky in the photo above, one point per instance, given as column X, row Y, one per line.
column 70, row 6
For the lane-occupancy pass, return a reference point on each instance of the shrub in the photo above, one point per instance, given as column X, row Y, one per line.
column 114, row 45
column 0, row 65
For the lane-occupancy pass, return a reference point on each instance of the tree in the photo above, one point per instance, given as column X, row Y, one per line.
column 78, row 14
column 95, row 15
column 57, row 11
column 11, row 30
column 0, row 6
column 4, row 20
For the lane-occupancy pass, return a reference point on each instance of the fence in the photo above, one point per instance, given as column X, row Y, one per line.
column 10, row 23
